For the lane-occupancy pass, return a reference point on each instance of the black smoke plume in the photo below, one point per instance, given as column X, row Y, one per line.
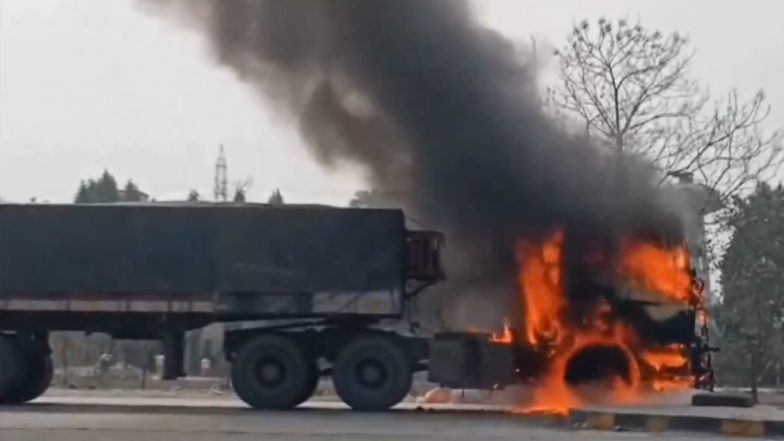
column 441, row 112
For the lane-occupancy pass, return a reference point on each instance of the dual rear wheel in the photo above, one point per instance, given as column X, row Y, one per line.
column 372, row 373
column 275, row 371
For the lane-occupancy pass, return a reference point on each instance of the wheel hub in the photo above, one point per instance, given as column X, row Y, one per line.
column 271, row 372
column 371, row 373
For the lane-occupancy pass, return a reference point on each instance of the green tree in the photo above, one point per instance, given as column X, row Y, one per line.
column 83, row 193
column 101, row 190
column 276, row 198
column 751, row 313
column 105, row 190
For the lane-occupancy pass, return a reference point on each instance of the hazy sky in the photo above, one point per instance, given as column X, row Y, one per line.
column 93, row 84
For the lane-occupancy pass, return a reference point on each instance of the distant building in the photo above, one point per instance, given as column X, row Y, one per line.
column 137, row 196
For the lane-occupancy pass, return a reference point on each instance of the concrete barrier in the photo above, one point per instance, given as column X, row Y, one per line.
column 649, row 422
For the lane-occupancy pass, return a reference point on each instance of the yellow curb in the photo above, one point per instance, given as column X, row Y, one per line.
column 600, row 421
column 743, row 428
column 657, row 424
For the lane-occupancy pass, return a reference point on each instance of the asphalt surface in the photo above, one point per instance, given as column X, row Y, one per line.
column 145, row 421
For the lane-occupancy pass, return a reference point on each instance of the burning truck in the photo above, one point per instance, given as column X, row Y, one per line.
column 621, row 315
column 625, row 317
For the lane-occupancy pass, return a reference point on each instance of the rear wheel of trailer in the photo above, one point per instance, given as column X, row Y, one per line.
column 26, row 369
column 372, row 373
column 272, row 371
column 36, row 380
column 11, row 366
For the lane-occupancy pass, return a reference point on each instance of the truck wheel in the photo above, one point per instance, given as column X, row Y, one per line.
column 372, row 373
column 312, row 383
column 272, row 372
column 11, row 367
column 34, row 382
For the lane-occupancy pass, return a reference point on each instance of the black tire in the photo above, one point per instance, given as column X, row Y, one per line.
column 372, row 373
column 12, row 368
column 35, row 381
column 722, row 400
column 287, row 369
column 312, row 383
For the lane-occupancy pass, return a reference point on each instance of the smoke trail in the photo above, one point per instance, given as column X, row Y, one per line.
column 436, row 107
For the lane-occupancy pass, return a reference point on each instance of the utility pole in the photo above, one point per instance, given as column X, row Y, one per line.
column 535, row 54
column 535, row 68
column 220, row 192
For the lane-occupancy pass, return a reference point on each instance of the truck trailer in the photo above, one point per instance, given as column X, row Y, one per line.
column 331, row 288
column 326, row 277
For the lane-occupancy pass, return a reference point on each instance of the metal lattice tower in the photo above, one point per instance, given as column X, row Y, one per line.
column 220, row 190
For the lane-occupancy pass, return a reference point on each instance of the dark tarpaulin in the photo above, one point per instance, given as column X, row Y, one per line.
column 199, row 248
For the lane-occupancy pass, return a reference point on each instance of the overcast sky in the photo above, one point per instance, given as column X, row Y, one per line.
column 93, row 84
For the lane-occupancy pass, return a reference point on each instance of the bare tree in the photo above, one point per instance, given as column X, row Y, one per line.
column 194, row 196
column 631, row 88
column 241, row 189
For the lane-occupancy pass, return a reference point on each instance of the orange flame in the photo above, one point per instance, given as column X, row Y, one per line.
column 663, row 272
column 670, row 356
column 505, row 336
column 671, row 366
column 540, row 284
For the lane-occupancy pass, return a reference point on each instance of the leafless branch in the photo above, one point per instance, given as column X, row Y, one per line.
column 631, row 87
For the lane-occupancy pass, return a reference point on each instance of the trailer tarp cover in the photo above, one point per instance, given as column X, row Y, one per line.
column 199, row 248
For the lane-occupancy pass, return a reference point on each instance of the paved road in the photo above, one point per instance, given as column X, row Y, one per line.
column 83, row 422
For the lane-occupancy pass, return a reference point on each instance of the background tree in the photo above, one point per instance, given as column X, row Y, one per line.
column 194, row 196
column 241, row 189
column 82, row 194
column 751, row 313
column 630, row 87
column 101, row 190
column 275, row 198
column 367, row 199
column 105, row 190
